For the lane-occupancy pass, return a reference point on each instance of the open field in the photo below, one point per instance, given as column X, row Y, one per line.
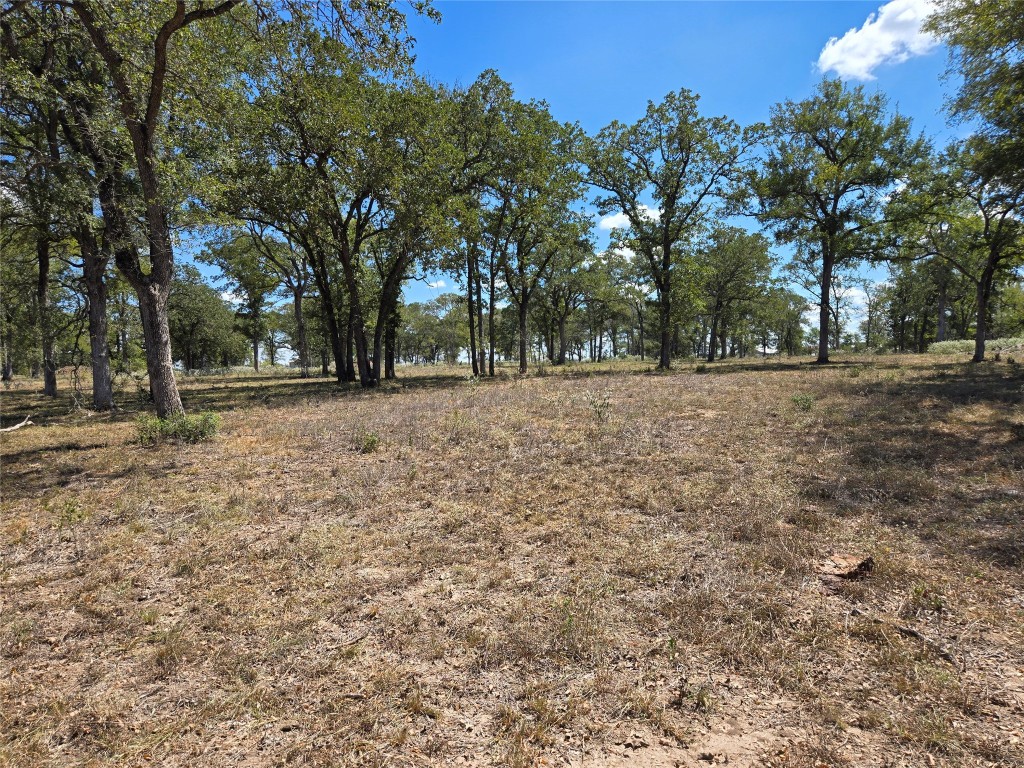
column 608, row 567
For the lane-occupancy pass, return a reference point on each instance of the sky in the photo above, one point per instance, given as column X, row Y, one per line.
column 594, row 62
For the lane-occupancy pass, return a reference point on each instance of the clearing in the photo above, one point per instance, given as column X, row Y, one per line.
column 601, row 567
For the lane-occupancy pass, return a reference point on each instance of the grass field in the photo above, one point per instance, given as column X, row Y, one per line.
column 602, row 566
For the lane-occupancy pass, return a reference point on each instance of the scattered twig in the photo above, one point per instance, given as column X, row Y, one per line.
column 25, row 423
column 939, row 650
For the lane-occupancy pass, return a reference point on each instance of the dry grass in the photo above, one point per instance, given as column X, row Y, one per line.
column 592, row 568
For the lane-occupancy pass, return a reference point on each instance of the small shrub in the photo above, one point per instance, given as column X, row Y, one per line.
column 600, row 406
column 184, row 428
column 802, row 401
column 70, row 514
column 367, row 442
column 455, row 427
column 701, row 368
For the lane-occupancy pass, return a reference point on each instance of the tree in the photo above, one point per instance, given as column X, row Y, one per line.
column 38, row 185
column 292, row 268
column 564, row 291
column 873, row 301
column 779, row 320
column 679, row 161
column 201, row 324
column 828, row 167
column 735, row 267
column 967, row 212
column 537, row 189
column 629, row 277
column 136, row 52
column 166, row 86
column 336, row 159
column 985, row 40
column 242, row 262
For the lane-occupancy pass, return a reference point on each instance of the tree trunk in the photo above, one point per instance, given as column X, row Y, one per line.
column 93, row 268
column 643, row 340
column 329, row 311
column 490, row 319
column 940, row 331
column 824, row 315
column 480, row 319
column 159, row 364
column 350, row 335
column 712, row 346
column 522, row 336
column 255, row 352
column 390, row 343
column 300, row 331
column 471, row 312
column 356, row 322
column 984, row 294
column 325, row 363
column 665, row 319
column 561, row 341
column 45, row 321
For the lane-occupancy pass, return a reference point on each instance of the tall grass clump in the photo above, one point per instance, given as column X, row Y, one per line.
column 183, row 428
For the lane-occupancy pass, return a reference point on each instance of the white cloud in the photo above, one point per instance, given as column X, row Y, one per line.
column 628, row 253
column 890, row 36
column 437, row 284
column 615, row 221
column 231, row 298
column 621, row 221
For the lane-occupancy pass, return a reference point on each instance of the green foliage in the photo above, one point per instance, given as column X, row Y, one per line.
column 250, row 276
column 803, row 401
column 70, row 514
column 183, row 428
column 683, row 162
column 367, row 441
column 823, row 182
column 433, row 331
column 600, row 406
column 985, row 39
column 202, row 325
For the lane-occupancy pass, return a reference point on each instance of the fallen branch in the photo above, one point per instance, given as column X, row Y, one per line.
column 936, row 648
column 25, row 423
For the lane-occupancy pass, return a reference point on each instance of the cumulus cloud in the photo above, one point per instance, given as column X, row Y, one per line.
column 621, row 221
column 437, row 284
column 890, row 36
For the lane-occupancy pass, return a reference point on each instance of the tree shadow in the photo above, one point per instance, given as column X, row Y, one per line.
column 921, row 459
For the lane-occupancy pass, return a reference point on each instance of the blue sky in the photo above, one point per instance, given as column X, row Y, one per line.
column 594, row 62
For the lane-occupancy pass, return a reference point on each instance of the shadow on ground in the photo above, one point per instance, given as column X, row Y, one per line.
column 907, row 442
